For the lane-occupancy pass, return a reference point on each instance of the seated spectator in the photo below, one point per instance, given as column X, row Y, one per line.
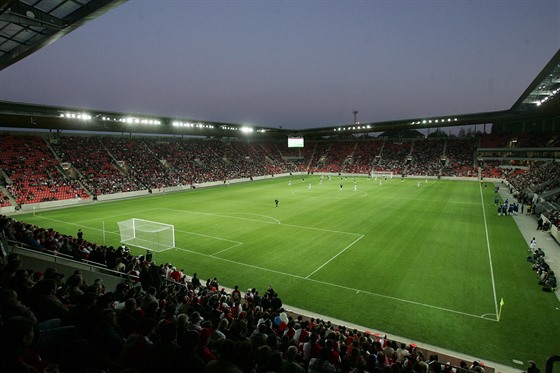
column 138, row 344
column 321, row 364
column 45, row 303
column 11, row 306
column 107, row 341
column 74, row 291
column 163, row 354
column 129, row 317
column 290, row 363
column 225, row 363
column 16, row 337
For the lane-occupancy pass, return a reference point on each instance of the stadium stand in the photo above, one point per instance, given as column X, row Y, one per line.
column 363, row 156
column 459, row 157
column 67, row 167
column 156, row 310
column 4, row 200
column 93, row 165
column 33, row 173
column 393, row 157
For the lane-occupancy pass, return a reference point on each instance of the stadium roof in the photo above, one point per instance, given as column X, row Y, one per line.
column 543, row 91
column 28, row 25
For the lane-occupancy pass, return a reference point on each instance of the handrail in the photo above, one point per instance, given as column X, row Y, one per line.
column 93, row 266
column 550, row 362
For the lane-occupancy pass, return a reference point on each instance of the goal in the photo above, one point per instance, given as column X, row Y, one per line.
column 381, row 174
column 149, row 235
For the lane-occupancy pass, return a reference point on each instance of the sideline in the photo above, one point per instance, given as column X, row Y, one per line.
column 489, row 251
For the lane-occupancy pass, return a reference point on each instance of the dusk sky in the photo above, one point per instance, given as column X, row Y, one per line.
column 295, row 64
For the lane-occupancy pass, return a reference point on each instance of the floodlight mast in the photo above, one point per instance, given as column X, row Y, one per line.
column 355, row 112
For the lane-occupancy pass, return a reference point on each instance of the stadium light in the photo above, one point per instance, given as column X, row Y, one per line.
column 82, row 116
column 134, row 120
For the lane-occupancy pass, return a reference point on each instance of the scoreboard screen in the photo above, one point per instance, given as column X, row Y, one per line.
column 295, row 142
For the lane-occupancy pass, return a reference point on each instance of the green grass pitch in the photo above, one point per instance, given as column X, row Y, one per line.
column 428, row 261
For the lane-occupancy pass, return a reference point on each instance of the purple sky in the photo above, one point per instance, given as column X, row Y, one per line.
column 296, row 64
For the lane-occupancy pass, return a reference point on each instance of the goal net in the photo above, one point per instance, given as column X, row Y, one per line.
column 381, row 174
column 149, row 235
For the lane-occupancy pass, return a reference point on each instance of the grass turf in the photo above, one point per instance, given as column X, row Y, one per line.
column 428, row 261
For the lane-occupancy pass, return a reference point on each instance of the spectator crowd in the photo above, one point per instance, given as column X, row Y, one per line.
column 37, row 169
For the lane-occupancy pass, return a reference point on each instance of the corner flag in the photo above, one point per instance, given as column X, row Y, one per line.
column 501, row 306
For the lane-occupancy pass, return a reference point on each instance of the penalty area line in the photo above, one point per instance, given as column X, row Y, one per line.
column 229, row 248
column 208, row 236
column 331, row 259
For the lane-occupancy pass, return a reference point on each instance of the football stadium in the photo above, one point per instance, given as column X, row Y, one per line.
column 145, row 243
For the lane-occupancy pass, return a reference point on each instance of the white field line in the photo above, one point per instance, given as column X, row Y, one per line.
column 331, row 259
column 213, row 254
column 261, row 221
column 489, row 251
column 263, row 216
column 213, row 237
column 229, row 248
column 354, row 290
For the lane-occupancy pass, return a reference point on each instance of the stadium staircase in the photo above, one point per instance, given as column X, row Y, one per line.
column 349, row 159
column 72, row 173
column 7, row 194
column 310, row 162
column 121, row 165
column 550, row 193
column 68, row 174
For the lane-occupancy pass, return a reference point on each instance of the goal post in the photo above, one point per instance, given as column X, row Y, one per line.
column 149, row 235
